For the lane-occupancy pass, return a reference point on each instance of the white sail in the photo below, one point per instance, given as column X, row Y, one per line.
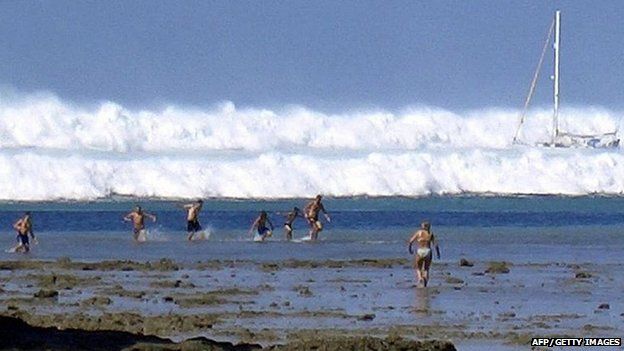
column 561, row 138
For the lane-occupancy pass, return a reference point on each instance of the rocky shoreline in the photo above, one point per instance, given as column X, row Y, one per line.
column 309, row 304
column 16, row 334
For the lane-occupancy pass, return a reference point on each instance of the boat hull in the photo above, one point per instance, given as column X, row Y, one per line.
column 602, row 141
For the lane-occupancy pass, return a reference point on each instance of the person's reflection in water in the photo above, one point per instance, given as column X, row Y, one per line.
column 422, row 302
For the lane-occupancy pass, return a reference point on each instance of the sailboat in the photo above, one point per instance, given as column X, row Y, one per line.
column 560, row 138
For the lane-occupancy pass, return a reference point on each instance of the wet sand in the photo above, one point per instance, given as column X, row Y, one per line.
column 269, row 303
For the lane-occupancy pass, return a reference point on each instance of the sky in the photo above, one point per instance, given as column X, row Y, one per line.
column 335, row 55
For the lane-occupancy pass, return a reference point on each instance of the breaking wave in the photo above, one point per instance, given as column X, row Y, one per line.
column 51, row 149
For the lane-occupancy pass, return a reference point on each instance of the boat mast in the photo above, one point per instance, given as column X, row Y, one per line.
column 556, row 76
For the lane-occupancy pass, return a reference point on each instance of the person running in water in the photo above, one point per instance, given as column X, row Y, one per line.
column 137, row 216
column 422, row 262
column 311, row 212
column 290, row 218
column 261, row 225
column 24, row 228
column 192, row 218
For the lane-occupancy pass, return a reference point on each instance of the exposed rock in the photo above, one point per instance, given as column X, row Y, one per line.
column 96, row 301
column 454, row 280
column 165, row 264
column 304, row 291
column 46, row 294
column 395, row 343
column 16, row 334
column 497, row 268
column 169, row 284
column 465, row 263
column 64, row 261
column 63, row 281
column 367, row 317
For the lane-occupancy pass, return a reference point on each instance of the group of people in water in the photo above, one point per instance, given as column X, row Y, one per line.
column 24, row 227
column 262, row 224
column 423, row 237
column 310, row 213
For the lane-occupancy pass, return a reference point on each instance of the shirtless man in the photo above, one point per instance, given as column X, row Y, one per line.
column 137, row 216
column 23, row 226
column 192, row 218
column 290, row 218
column 424, row 238
column 311, row 212
column 261, row 225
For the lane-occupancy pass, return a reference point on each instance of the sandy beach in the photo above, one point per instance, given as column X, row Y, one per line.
column 269, row 303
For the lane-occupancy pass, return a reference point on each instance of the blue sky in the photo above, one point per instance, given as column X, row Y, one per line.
column 322, row 54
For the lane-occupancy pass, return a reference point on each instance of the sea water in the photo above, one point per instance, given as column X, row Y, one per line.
column 532, row 229
column 81, row 168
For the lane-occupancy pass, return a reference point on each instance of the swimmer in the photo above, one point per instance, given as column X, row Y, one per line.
column 290, row 218
column 422, row 262
column 23, row 227
column 311, row 212
column 137, row 216
column 261, row 225
column 192, row 218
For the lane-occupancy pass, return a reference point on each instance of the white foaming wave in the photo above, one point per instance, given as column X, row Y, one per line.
column 28, row 175
column 47, row 152
column 44, row 121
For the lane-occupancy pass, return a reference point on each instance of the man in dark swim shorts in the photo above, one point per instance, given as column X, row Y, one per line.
column 192, row 218
column 290, row 218
column 311, row 211
column 23, row 226
column 261, row 224
column 23, row 244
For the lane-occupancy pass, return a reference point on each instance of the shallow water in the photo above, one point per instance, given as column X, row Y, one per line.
column 545, row 240
column 515, row 229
